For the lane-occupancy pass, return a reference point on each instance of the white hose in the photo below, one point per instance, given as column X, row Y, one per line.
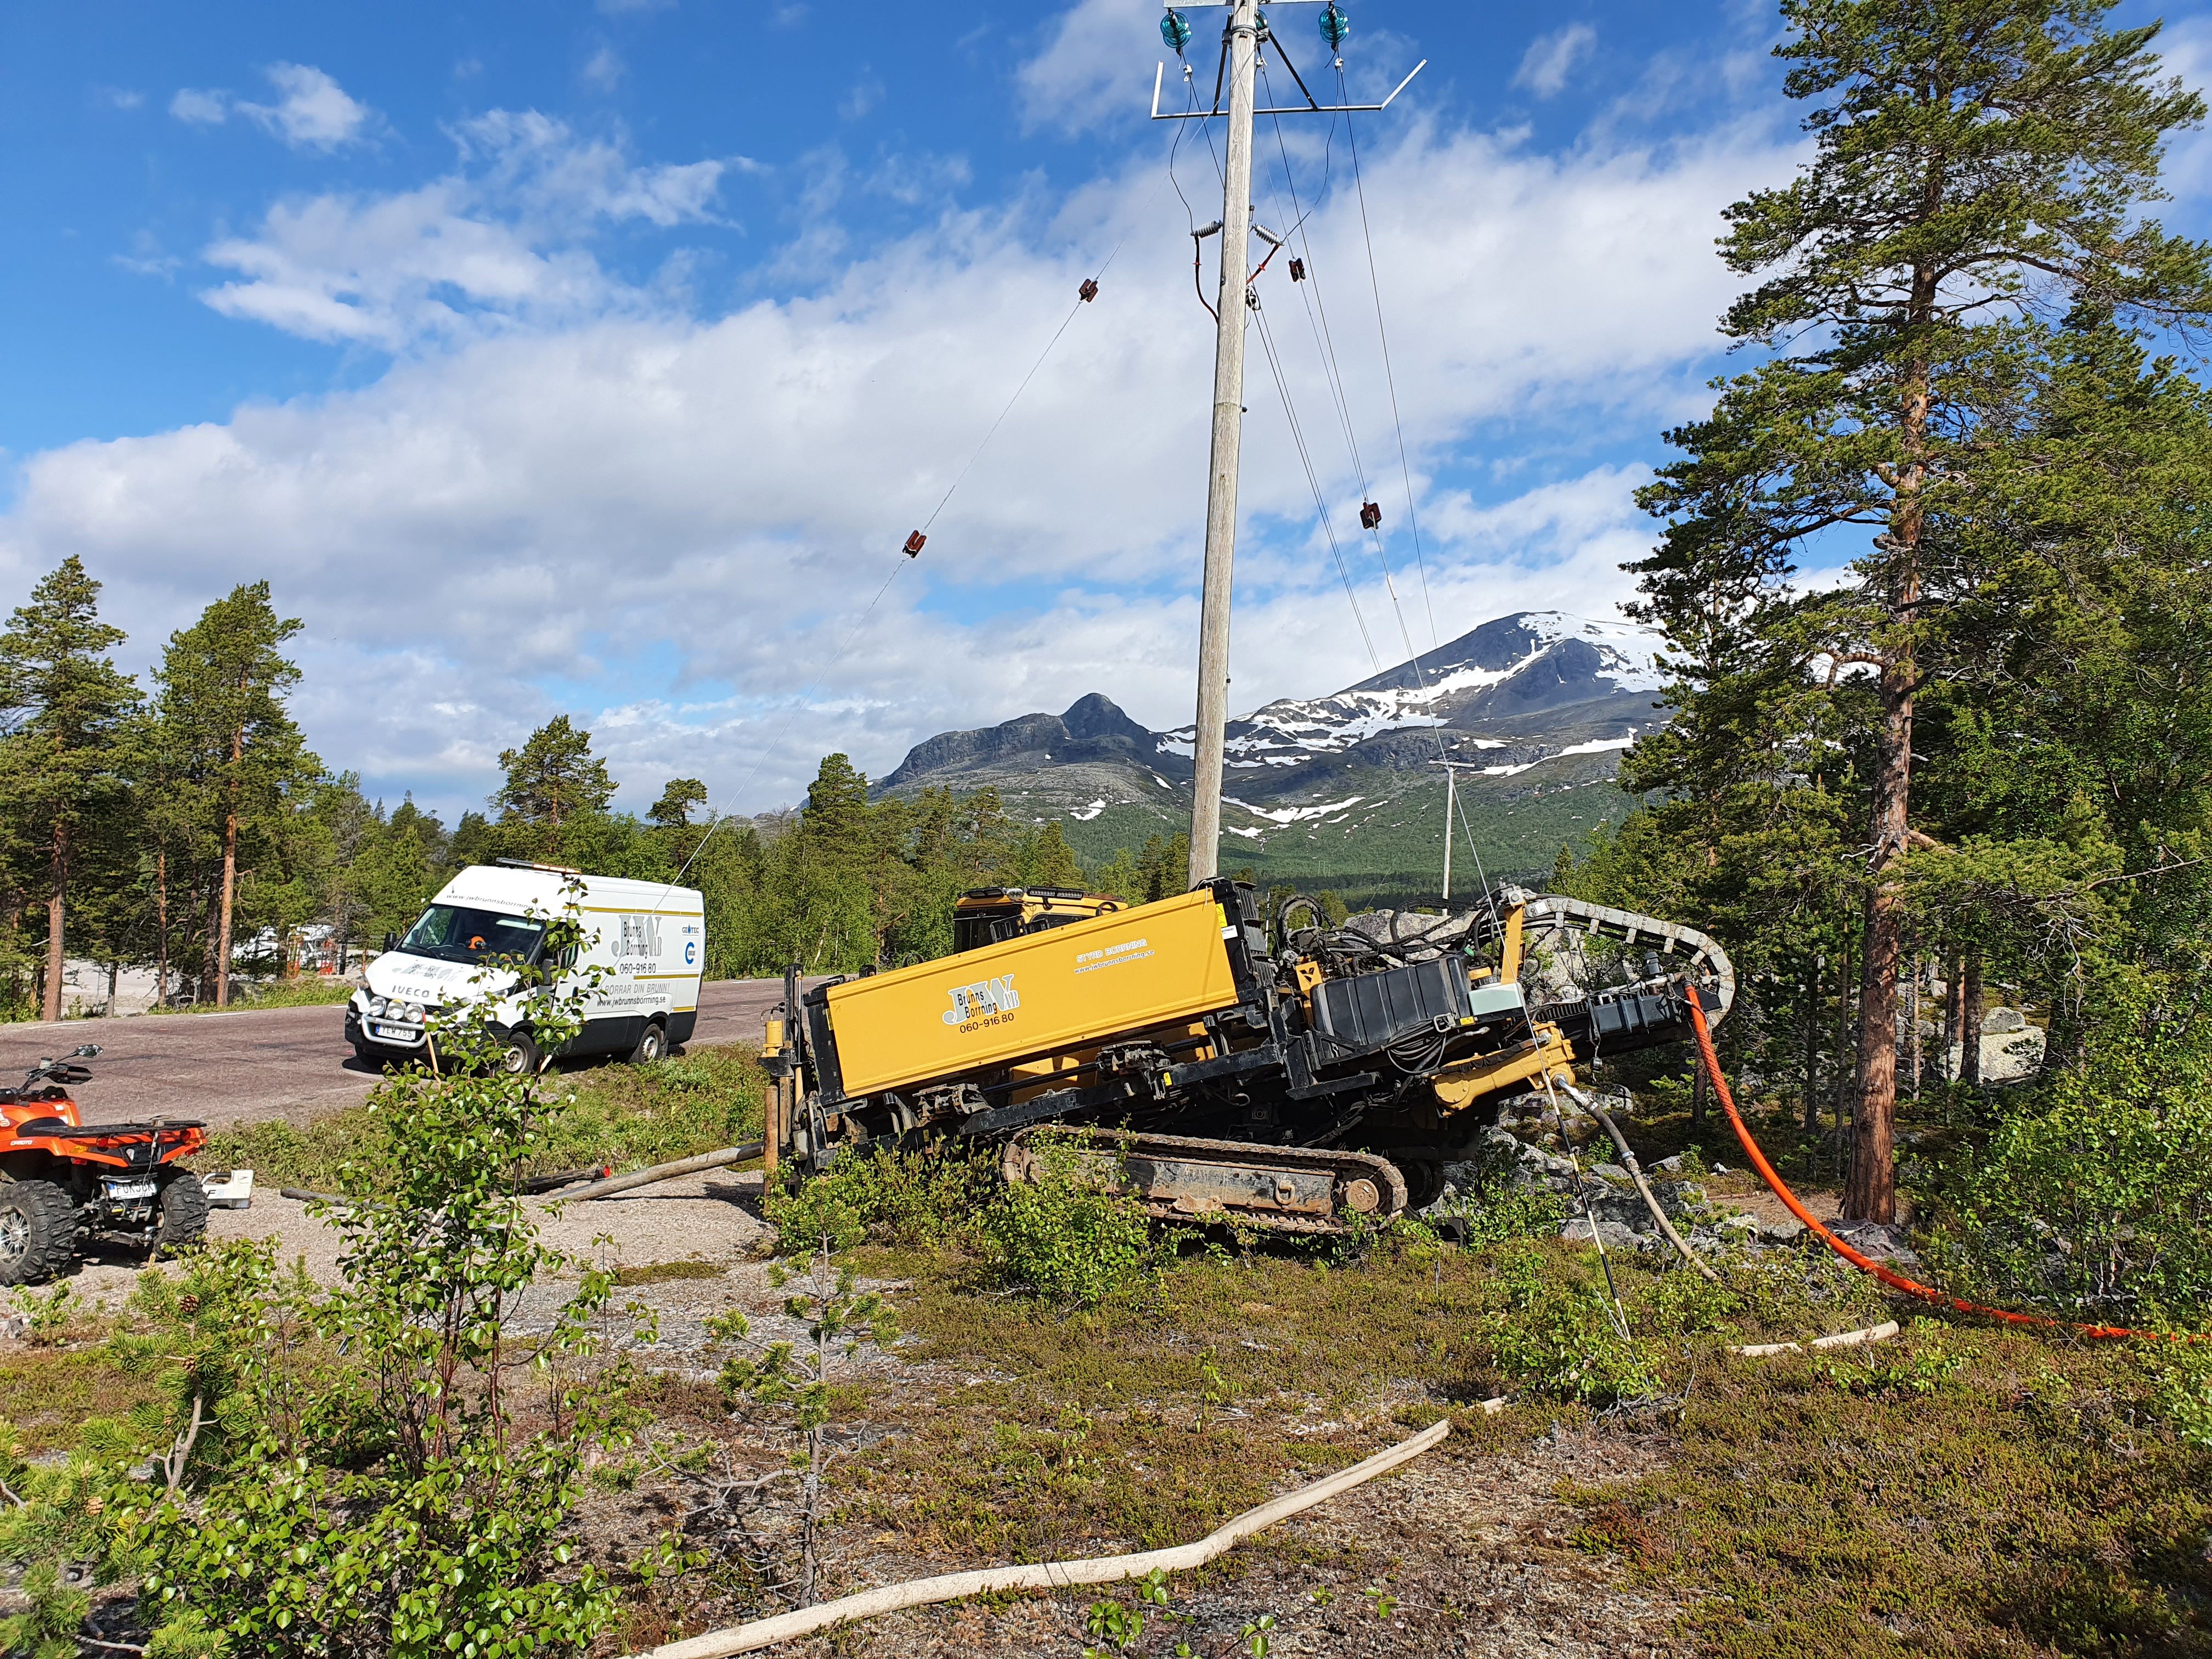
column 1043, row 1575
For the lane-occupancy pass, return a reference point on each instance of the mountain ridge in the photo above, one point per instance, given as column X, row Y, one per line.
column 1530, row 705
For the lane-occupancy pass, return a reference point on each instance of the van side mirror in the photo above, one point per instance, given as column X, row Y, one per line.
column 391, row 941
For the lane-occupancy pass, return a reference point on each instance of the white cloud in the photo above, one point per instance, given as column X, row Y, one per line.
column 1097, row 61
column 605, row 68
column 311, row 111
column 122, row 98
column 495, row 243
column 863, row 96
column 676, row 521
column 200, row 108
column 1551, row 58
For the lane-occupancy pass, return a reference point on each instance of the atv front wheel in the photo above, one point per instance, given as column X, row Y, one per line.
column 37, row 1231
column 184, row 1210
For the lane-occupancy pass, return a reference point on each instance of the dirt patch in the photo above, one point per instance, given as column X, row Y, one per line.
column 708, row 1220
column 1453, row 1555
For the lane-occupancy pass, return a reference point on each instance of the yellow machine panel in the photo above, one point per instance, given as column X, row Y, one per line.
column 1066, row 988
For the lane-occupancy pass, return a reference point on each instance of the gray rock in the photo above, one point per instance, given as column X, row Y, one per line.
column 1609, row 1172
column 1671, row 1165
column 2004, row 1019
column 1737, row 1226
column 1577, row 1230
column 1787, row 1231
column 1872, row 1239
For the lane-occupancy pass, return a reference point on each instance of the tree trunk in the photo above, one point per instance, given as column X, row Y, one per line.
column 1912, row 1018
column 114, row 973
column 162, row 927
column 1870, row 1194
column 209, row 943
column 58, row 872
column 1955, row 989
column 1969, row 1022
column 229, row 874
column 1812, row 1047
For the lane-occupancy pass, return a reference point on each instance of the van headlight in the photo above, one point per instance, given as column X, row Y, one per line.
column 376, row 1007
column 416, row 1013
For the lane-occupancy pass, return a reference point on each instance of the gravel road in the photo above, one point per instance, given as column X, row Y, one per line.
column 261, row 1063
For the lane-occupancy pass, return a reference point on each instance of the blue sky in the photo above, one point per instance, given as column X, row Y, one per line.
column 596, row 358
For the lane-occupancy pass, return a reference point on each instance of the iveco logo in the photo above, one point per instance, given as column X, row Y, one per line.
column 992, row 996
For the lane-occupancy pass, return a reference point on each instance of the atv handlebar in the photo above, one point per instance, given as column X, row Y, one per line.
column 63, row 1071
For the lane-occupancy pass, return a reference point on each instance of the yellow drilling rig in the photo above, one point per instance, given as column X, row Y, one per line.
column 1285, row 1074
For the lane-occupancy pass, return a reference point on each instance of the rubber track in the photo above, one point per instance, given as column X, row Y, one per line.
column 1381, row 1170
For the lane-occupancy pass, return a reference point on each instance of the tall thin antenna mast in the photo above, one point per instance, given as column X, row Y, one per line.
column 1243, row 34
column 1452, row 771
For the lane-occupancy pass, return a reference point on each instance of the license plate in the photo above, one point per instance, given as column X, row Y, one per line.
column 397, row 1033
column 123, row 1192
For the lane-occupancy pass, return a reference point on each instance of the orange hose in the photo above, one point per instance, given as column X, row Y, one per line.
column 1894, row 1280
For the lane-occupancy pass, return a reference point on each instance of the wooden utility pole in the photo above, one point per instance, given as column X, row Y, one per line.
column 1209, row 742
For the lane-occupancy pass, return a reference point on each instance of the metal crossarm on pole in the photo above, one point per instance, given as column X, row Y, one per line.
column 1159, row 114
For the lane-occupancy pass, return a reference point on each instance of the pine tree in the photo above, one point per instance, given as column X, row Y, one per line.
column 223, row 681
column 673, row 810
column 1974, row 159
column 553, row 779
column 68, row 702
column 1049, row 861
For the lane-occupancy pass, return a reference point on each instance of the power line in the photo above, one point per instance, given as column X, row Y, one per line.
column 1333, row 376
column 1390, row 378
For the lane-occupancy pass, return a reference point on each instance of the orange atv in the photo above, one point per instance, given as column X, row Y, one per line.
column 59, row 1176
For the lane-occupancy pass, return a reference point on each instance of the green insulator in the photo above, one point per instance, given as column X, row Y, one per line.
column 1175, row 29
column 1335, row 26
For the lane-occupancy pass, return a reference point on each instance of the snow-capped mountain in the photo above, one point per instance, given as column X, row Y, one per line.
column 1513, row 694
column 1487, row 685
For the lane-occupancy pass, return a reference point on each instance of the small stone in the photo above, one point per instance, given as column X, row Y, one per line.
column 1738, row 1224
column 1671, row 1165
column 1787, row 1231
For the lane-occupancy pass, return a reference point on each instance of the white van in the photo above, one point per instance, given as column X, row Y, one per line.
column 648, row 939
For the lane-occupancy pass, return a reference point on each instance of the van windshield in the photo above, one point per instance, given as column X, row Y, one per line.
column 457, row 932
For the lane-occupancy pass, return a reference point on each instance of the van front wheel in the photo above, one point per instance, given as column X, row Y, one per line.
column 651, row 1045
column 519, row 1057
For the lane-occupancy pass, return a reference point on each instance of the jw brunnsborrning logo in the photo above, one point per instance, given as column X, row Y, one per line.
column 989, row 996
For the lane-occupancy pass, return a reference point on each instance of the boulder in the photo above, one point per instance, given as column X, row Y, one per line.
column 1617, row 1236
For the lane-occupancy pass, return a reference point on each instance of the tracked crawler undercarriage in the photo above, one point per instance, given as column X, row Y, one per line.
column 1291, row 1075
